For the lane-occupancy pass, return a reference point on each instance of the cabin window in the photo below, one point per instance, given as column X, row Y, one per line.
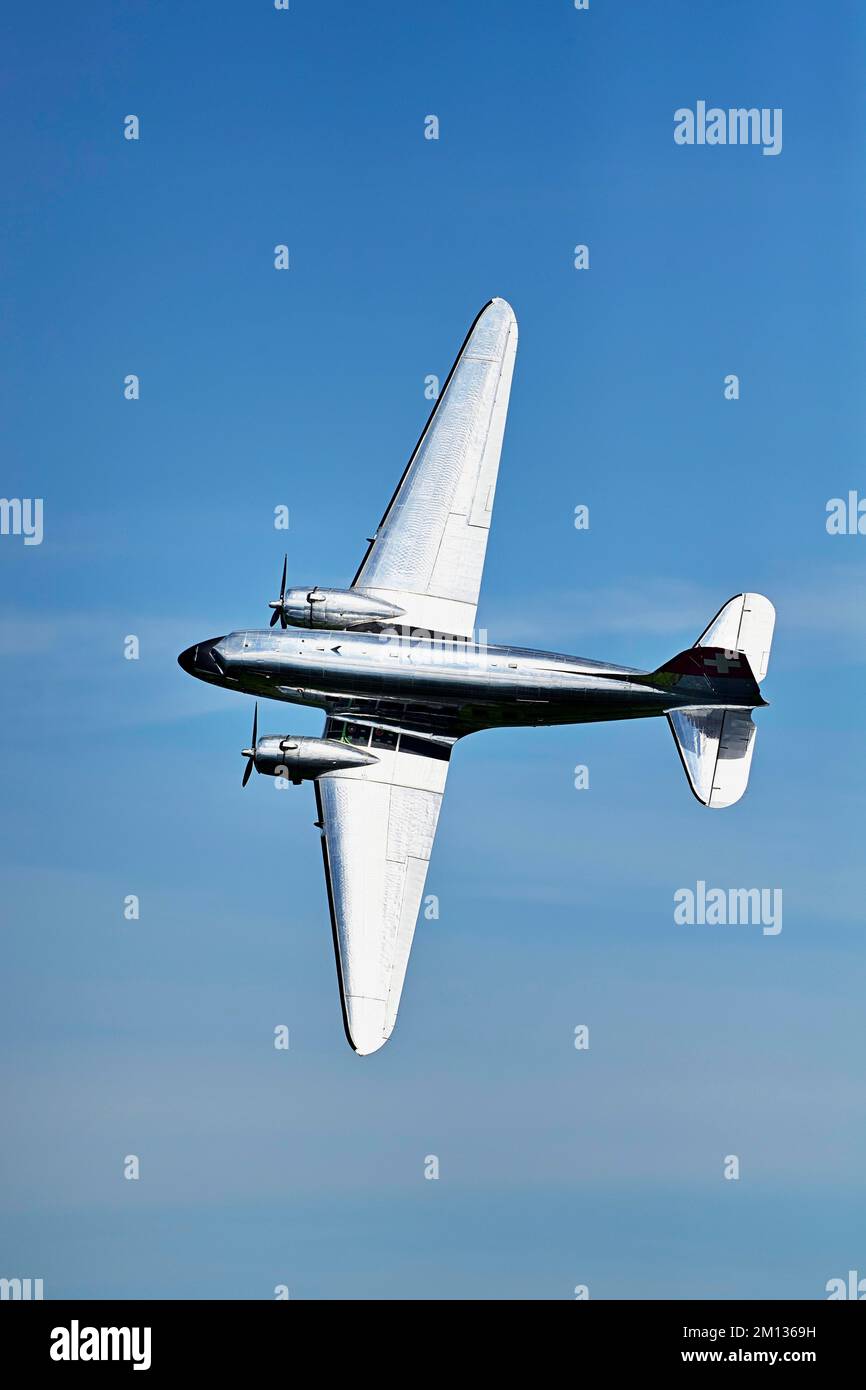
column 384, row 738
column 357, row 734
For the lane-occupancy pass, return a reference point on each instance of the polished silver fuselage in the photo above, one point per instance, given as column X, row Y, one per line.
column 453, row 686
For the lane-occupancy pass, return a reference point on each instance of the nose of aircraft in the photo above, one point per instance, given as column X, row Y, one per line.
column 200, row 659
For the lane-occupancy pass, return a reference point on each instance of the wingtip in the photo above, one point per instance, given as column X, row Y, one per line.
column 366, row 1024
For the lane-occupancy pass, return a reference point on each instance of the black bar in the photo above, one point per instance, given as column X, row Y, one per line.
column 224, row 1338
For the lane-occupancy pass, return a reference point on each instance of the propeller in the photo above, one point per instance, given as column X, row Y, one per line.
column 277, row 605
column 250, row 753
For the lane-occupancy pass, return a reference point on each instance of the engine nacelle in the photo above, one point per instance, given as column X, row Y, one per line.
column 303, row 759
column 337, row 610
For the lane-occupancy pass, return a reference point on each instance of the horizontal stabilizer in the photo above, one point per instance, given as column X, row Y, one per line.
column 716, row 747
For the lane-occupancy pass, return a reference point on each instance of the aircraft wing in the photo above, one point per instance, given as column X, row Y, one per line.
column 428, row 552
column 378, row 824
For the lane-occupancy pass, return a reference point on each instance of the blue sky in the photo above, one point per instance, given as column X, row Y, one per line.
column 305, row 388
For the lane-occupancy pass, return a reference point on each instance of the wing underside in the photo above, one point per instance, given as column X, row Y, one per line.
column 378, row 824
column 428, row 553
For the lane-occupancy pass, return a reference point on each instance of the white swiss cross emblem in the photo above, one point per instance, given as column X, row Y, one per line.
column 723, row 662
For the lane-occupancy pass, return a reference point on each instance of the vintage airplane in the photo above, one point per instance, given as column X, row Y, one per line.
column 394, row 663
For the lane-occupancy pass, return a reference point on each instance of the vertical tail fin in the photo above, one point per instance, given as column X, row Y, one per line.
column 745, row 624
column 716, row 744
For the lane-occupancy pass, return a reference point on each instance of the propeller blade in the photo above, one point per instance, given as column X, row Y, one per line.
column 278, row 607
column 251, row 751
column 283, row 621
